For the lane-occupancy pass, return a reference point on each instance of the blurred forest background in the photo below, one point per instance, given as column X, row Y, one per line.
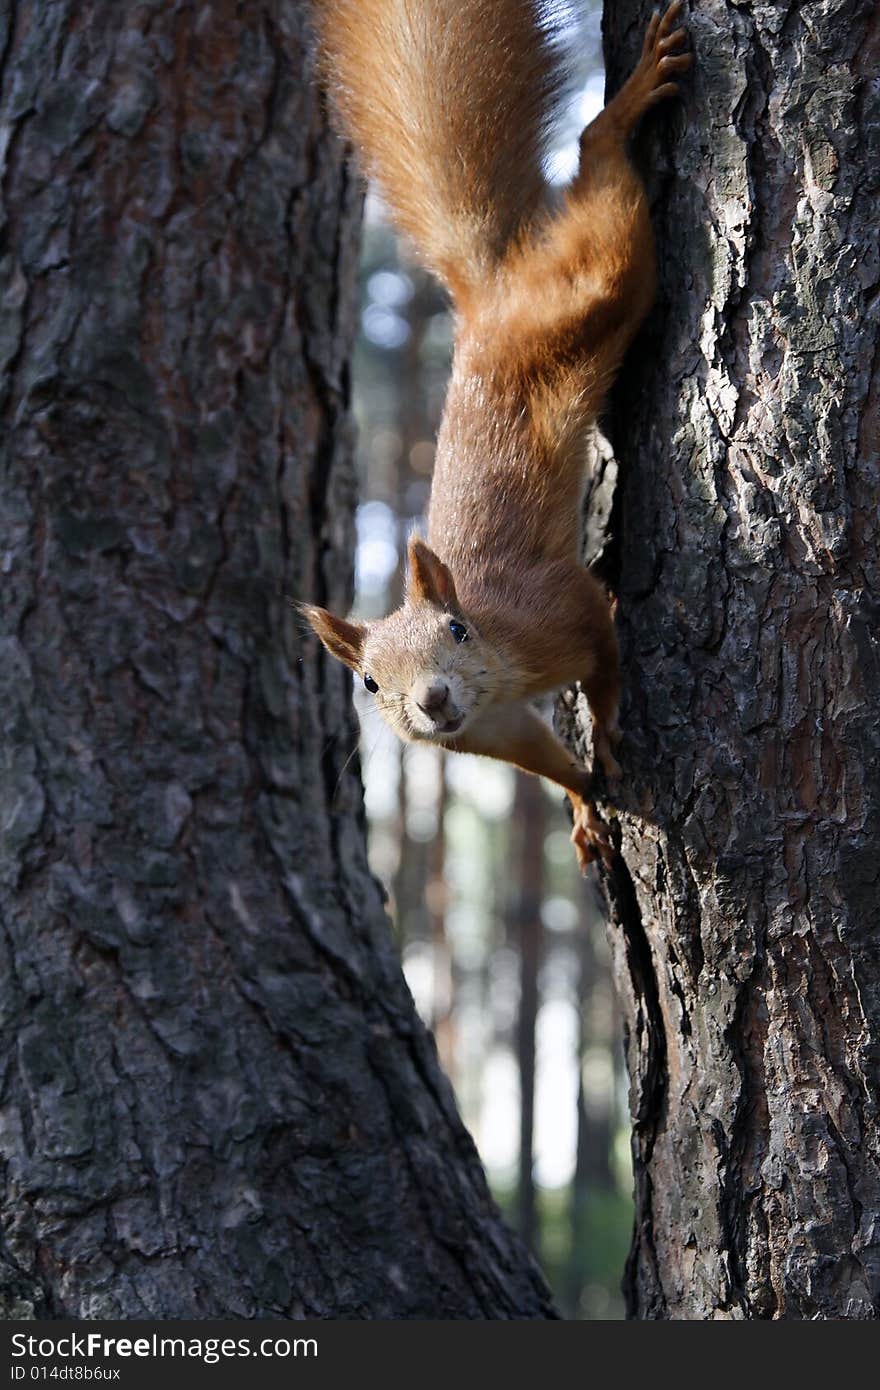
column 503, row 944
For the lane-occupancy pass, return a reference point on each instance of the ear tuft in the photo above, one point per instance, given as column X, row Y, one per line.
column 429, row 579
column 342, row 638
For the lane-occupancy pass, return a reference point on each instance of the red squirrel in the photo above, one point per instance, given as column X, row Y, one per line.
column 447, row 101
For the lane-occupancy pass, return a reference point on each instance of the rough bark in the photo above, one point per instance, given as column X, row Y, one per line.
column 744, row 907
column 216, row 1097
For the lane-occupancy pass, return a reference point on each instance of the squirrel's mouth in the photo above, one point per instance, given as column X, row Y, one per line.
column 451, row 726
column 436, row 725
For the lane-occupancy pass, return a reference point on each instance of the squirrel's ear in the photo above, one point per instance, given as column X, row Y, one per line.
column 429, row 578
column 343, row 639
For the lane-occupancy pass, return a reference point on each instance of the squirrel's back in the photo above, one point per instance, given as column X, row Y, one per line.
column 448, row 101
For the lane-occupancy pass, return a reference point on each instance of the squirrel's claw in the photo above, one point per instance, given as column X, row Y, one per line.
column 661, row 60
column 590, row 836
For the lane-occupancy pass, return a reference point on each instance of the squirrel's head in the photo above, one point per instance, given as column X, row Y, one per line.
column 427, row 667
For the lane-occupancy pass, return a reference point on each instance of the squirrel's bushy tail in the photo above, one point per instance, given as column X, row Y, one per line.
column 448, row 101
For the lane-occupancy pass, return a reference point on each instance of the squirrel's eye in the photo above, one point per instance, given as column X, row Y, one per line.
column 370, row 684
column 459, row 631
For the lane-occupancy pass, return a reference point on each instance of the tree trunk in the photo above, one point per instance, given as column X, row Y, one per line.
column 744, row 905
column 217, row 1099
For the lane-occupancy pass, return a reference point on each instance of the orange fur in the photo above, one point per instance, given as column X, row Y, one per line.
column 448, row 100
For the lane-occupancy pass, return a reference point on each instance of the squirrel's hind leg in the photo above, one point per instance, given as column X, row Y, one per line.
column 652, row 80
column 583, row 286
column 599, row 249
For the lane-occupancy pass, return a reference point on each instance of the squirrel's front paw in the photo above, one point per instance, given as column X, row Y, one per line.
column 590, row 835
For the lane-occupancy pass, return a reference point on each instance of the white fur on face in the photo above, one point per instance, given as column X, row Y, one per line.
column 413, row 652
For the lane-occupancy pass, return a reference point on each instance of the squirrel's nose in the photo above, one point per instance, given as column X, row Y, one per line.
column 431, row 696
